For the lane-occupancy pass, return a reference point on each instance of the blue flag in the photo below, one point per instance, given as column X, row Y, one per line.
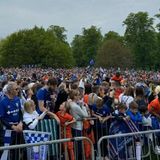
column 36, row 152
column 117, row 145
column 91, row 63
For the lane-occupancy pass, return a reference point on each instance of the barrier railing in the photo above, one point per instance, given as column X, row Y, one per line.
column 60, row 141
column 83, row 147
column 131, row 146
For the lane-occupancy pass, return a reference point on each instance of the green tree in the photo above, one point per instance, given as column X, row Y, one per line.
column 157, row 54
column 78, row 51
column 140, row 37
column 113, row 35
column 35, row 46
column 59, row 32
column 158, row 25
column 113, row 53
column 85, row 46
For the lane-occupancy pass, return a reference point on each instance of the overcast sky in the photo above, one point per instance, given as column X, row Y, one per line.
column 71, row 14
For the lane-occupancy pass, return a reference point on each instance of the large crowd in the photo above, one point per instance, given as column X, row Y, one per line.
column 114, row 97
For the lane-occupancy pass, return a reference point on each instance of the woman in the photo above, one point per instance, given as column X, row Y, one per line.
column 78, row 112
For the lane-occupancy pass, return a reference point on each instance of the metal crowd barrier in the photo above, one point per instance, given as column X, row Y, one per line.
column 48, row 143
column 81, row 148
column 93, row 131
column 124, row 146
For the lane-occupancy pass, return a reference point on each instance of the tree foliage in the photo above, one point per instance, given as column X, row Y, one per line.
column 113, row 35
column 59, row 32
column 35, row 46
column 85, row 46
column 139, row 47
column 140, row 37
column 114, row 54
column 157, row 54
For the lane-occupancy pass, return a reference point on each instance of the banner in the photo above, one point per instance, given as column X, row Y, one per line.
column 36, row 152
column 118, row 145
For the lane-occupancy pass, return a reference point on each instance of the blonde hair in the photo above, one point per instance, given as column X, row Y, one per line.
column 67, row 106
column 27, row 105
column 157, row 89
column 73, row 93
column 99, row 102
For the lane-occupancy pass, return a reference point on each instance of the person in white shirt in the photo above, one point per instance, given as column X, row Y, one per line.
column 127, row 96
column 30, row 115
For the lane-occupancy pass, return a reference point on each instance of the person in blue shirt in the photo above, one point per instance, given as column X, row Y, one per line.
column 11, row 118
column 46, row 97
column 136, row 118
column 103, row 113
column 10, row 112
column 134, row 114
column 119, row 126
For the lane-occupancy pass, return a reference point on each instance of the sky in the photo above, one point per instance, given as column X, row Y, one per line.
column 108, row 15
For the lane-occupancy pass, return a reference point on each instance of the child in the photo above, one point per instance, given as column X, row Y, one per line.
column 146, row 119
column 65, row 121
column 103, row 114
column 120, row 113
column 134, row 114
column 136, row 118
column 118, row 126
column 31, row 116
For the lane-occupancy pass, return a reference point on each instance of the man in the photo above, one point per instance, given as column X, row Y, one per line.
column 46, row 97
column 10, row 109
column 11, row 116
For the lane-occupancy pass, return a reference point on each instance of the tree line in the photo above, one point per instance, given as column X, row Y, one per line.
column 139, row 46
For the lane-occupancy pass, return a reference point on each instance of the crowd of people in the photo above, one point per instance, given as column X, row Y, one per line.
column 116, row 98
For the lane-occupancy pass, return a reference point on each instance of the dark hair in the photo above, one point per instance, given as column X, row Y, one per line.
column 159, row 95
column 74, row 86
column 95, row 89
column 133, row 105
column 121, row 106
column 3, row 83
column 52, row 81
column 88, row 88
column 143, row 109
column 139, row 91
column 129, row 91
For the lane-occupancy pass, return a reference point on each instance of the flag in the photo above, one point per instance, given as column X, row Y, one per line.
column 118, row 145
column 91, row 62
column 36, row 152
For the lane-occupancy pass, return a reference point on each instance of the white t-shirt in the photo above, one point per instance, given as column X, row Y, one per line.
column 30, row 119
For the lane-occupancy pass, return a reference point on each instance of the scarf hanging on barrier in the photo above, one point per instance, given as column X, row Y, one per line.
column 117, row 145
column 132, row 127
column 36, row 152
column 7, row 141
